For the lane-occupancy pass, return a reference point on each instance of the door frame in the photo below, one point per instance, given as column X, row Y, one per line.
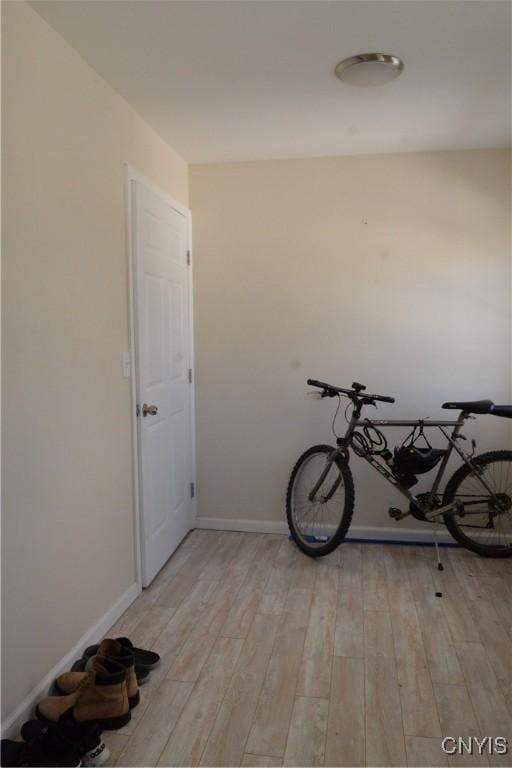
column 132, row 176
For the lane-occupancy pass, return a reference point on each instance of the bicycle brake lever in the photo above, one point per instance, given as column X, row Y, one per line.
column 314, row 394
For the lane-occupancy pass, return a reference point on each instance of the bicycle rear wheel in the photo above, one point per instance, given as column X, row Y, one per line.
column 320, row 524
column 484, row 523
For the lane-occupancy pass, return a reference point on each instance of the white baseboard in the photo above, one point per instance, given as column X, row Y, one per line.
column 363, row 532
column 23, row 712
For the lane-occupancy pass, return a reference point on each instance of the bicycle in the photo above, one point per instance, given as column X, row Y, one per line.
column 475, row 506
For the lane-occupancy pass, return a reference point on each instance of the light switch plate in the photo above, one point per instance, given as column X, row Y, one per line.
column 127, row 365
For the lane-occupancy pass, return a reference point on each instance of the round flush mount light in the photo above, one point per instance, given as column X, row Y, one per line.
column 369, row 69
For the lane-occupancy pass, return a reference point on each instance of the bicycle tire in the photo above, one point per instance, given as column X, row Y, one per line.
column 348, row 510
column 450, row 493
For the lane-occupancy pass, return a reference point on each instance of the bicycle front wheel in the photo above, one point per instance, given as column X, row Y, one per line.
column 319, row 501
column 484, row 523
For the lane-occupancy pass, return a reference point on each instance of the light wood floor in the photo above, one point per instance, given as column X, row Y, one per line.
column 270, row 658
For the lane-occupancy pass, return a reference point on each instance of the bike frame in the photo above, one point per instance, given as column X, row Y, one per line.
column 430, row 514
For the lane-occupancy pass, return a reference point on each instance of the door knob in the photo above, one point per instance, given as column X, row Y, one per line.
column 149, row 410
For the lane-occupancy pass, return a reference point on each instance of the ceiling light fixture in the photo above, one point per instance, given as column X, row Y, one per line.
column 369, row 69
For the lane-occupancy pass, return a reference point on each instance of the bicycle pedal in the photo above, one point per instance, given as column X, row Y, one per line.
column 395, row 513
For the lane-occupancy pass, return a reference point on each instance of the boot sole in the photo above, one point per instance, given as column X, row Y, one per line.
column 113, row 723
column 105, row 723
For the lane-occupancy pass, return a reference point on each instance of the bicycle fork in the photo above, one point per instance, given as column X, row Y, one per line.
column 326, row 497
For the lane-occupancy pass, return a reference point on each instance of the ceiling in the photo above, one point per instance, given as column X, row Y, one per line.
column 253, row 79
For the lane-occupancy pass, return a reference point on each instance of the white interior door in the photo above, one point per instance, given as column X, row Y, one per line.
column 163, row 371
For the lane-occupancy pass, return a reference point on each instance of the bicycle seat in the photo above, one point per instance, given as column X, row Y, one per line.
column 471, row 406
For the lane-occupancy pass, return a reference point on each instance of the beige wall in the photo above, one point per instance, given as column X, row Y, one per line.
column 67, row 506
column 391, row 270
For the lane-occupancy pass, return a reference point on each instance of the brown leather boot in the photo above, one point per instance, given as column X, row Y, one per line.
column 101, row 696
column 109, row 649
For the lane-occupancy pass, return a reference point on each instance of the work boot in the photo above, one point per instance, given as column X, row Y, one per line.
column 110, row 649
column 101, row 695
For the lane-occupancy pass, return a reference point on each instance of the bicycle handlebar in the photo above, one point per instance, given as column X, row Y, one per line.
column 356, row 392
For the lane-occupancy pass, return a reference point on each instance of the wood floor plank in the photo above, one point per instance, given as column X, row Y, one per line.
column 385, row 743
column 304, row 569
column 348, row 638
column 261, row 760
column 469, row 577
column 496, row 641
column 222, row 556
column 375, row 596
column 125, row 625
column 176, row 589
column 202, row 555
column 192, row 656
column 333, row 558
column 227, row 740
column 191, row 732
column 442, row 659
column 191, row 607
column 151, row 626
column 148, row 740
column 345, row 742
column 455, row 606
column 314, row 677
column 423, row 751
column 419, row 710
column 270, row 728
column 501, row 591
column 249, row 552
column 247, row 601
column 492, row 714
column 441, row 656
column 115, row 743
column 216, row 613
column 308, row 728
column 279, row 582
column 457, row 718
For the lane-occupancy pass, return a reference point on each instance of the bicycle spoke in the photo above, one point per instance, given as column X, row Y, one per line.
column 490, row 526
column 317, row 520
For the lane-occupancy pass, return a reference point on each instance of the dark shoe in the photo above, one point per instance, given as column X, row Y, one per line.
column 54, row 746
column 101, row 696
column 42, row 753
column 145, row 659
column 87, row 736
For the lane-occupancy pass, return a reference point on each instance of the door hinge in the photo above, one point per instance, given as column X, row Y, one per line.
column 190, row 375
column 188, row 258
column 192, row 490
